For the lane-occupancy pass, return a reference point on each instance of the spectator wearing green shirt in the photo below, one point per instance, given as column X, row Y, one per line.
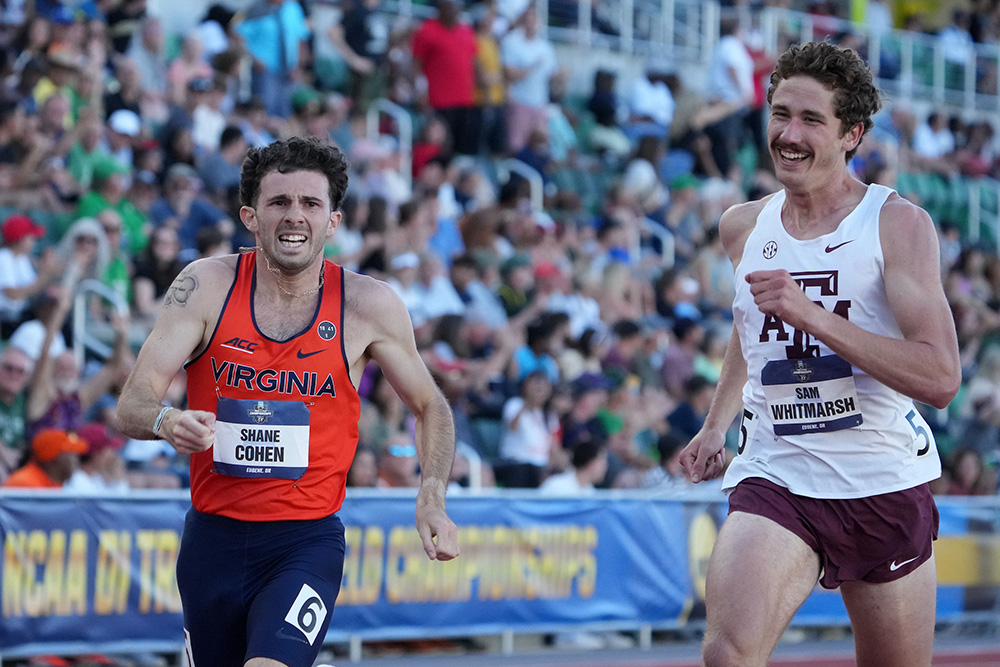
column 108, row 192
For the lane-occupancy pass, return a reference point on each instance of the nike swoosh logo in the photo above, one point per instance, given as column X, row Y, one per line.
column 831, row 248
column 895, row 566
column 305, row 355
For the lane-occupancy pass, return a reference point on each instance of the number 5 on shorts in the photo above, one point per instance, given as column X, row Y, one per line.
column 307, row 613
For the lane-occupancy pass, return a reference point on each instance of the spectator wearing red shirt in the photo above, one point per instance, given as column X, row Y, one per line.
column 446, row 51
column 55, row 455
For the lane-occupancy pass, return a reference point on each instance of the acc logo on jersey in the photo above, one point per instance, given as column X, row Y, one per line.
column 327, row 330
column 260, row 414
column 770, row 249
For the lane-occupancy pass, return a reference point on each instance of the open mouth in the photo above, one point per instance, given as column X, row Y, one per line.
column 792, row 156
column 292, row 240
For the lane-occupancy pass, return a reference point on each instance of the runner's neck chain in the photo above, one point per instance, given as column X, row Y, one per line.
column 274, row 270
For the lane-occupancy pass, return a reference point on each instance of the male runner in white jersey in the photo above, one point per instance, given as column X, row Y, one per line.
column 840, row 323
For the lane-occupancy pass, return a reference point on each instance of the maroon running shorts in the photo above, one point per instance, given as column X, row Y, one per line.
column 875, row 539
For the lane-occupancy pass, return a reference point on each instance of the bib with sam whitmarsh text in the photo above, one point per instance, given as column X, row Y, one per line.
column 261, row 438
column 811, row 395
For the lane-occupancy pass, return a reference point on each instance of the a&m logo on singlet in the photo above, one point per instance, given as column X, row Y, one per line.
column 807, row 392
column 814, row 284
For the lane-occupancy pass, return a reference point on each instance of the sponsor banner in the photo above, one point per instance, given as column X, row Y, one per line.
column 101, row 571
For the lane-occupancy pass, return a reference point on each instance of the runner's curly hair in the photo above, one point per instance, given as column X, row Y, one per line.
column 855, row 100
column 294, row 154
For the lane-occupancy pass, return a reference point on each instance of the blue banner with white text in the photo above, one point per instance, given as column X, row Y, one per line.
column 95, row 572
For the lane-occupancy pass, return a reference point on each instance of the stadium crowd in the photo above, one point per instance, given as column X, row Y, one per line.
column 579, row 342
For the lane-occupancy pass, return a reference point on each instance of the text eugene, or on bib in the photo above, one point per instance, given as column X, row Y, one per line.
column 261, row 438
column 813, row 395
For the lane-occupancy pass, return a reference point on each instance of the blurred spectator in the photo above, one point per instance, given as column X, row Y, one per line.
column 362, row 37
column 124, row 127
column 184, row 209
column 397, row 465
column 668, row 477
column 969, row 474
column 546, row 336
column 590, row 392
column 275, row 34
column 689, row 415
column 627, row 343
column 589, row 465
column 642, row 178
column 16, row 368
column 934, row 145
column 517, row 288
column 607, row 134
column 445, row 49
column 714, row 271
column 20, row 280
column 529, row 62
column 730, row 80
column 155, row 270
column 206, row 99
column 59, row 396
column 478, row 300
column 679, row 357
column 148, row 52
column 651, row 104
column 54, row 456
column 102, row 468
column 583, row 354
column 118, row 272
column 364, row 469
column 84, row 253
column 528, row 435
column 213, row 29
column 491, row 85
column 955, row 41
column 108, row 192
column 188, row 66
column 220, row 169
column 980, row 409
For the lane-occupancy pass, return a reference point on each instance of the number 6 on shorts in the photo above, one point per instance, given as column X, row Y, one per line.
column 307, row 613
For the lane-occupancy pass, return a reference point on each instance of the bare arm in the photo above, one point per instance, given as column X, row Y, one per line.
column 702, row 458
column 924, row 364
column 193, row 300
column 394, row 349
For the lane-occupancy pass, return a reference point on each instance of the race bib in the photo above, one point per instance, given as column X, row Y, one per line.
column 261, row 438
column 812, row 395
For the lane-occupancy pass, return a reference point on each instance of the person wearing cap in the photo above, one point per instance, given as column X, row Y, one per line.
column 55, row 455
column 124, row 127
column 20, row 279
column 184, row 208
column 108, row 191
column 102, row 468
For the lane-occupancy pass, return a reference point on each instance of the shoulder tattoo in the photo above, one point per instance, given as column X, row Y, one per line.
column 181, row 289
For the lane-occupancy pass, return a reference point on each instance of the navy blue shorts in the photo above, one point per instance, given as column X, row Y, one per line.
column 875, row 539
column 258, row 590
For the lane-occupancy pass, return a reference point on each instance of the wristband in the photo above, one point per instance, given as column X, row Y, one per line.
column 159, row 419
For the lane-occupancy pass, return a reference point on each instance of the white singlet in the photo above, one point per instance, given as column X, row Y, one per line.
column 812, row 422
